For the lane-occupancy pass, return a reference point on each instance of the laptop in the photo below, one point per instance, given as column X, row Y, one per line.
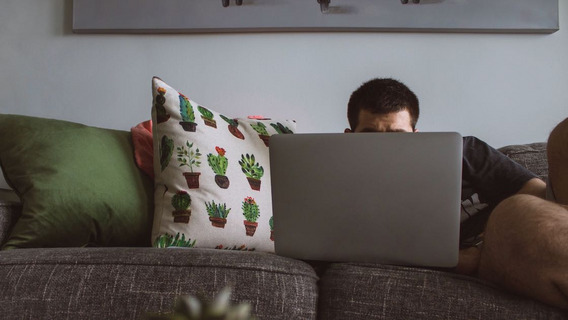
column 389, row 198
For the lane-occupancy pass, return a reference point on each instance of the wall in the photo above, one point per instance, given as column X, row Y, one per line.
column 503, row 88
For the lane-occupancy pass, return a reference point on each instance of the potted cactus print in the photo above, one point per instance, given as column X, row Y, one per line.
column 217, row 213
column 166, row 146
column 251, row 213
column 207, row 117
column 233, row 127
column 242, row 247
column 187, row 115
column 181, row 202
column 219, row 165
column 280, row 128
column 252, row 169
column 161, row 113
column 260, row 128
column 167, row 240
column 190, row 158
column 271, row 224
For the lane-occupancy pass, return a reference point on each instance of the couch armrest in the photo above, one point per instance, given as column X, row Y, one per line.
column 10, row 211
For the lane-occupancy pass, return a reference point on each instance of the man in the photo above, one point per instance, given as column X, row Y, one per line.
column 510, row 234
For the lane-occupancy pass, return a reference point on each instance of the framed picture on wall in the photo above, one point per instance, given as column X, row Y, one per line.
column 202, row 16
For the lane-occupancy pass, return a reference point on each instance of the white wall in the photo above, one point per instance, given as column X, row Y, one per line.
column 503, row 88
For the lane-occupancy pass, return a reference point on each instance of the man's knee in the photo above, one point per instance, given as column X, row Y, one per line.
column 557, row 152
column 557, row 146
column 526, row 248
column 529, row 224
column 559, row 135
column 509, row 228
column 520, row 211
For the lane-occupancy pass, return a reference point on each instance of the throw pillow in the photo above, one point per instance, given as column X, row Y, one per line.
column 212, row 175
column 143, row 147
column 79, row 185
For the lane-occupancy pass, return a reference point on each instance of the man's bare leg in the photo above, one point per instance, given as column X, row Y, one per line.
column 558, row 162
column 526, row 249
column 526, row 238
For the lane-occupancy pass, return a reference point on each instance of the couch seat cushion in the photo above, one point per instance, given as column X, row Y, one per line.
column 364, row 291
column 125, row 283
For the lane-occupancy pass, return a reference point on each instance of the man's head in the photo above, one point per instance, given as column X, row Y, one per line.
column 382, row 105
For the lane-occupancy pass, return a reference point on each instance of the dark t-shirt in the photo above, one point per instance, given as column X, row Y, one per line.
column 488, row 178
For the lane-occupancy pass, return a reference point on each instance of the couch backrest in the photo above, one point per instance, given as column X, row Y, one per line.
column 532, row 156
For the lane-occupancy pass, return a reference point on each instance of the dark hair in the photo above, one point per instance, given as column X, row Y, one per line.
column 382, row 96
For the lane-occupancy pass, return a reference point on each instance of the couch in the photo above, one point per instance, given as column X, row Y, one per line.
column 127, row 282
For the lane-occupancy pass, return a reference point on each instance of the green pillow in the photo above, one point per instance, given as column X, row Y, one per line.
column 79, row 185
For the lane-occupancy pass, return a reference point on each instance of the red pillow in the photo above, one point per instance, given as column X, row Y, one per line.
column 143, row 147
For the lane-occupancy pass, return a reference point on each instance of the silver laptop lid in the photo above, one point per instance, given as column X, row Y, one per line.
column 391, row 198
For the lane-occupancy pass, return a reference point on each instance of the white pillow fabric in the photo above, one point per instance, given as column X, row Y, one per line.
column 212, row 175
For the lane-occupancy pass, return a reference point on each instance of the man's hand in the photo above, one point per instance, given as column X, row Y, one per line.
column 468, row 261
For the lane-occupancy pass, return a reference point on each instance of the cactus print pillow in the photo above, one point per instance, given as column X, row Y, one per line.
column 212, row 175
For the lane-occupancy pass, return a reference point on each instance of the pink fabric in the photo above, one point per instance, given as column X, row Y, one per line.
column 143, row 147
column 258, row 118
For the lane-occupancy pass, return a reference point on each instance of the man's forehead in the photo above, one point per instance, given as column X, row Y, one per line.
column 370, row 115
column 398, row 121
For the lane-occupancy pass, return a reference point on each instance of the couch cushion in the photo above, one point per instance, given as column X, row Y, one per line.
column 365, row 291
column 212, row 175
column 532, row 156
column 10, row 211
column 78, row 184
column 125, row 283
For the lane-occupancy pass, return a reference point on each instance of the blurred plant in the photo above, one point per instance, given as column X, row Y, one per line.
column 190, row 307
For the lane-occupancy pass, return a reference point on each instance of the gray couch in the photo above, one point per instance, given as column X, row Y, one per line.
column 125, row 283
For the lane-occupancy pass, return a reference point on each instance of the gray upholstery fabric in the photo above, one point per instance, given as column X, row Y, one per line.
column 359, row 291
column 10, row 210
column 391, row 292
column 124, row 283
column 532, row 156
column 5, row 221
